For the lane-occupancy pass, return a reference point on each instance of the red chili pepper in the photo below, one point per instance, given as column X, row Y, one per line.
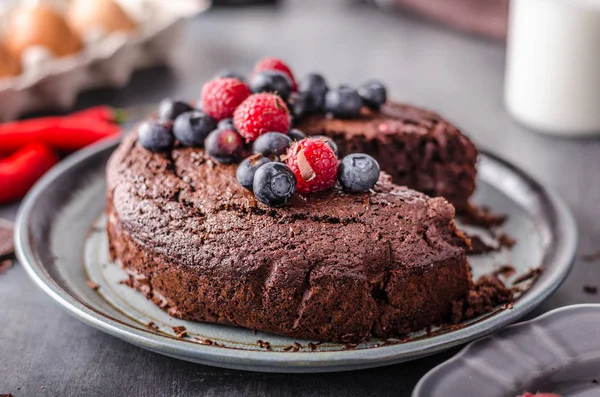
column 61, row 133
column 19, row 171
column 105, row 113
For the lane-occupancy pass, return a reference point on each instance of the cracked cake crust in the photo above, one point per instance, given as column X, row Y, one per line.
column 331, row 266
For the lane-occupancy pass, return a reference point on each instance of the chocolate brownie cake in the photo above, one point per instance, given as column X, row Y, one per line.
column 296, row 240
column 417, row 148
column 330, row 266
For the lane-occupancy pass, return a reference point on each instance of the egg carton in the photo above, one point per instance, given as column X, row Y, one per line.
column 49, row 83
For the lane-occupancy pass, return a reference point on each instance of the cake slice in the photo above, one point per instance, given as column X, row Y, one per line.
column 417, row 148
column 331, row 266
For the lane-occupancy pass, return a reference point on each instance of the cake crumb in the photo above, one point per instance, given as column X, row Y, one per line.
column 594, row 380
column 486, row 294
column 127, row 282
column 590, row 289
column 204, row 341
column 505, row 271
column 92, row 285
column 504, row 240
column 478, row 246
column 287, row 348
column 481, row 216
column 209, row 342
column 151, row 325
column 312, row 347
column 6, row 395
column 532, row 274
column 180, row 331
column 263, row 344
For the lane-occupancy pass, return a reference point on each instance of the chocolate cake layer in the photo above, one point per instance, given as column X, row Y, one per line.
column 331, row 266
column 417, row 148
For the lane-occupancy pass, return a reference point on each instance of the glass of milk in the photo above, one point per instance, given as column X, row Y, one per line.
column 552, row 80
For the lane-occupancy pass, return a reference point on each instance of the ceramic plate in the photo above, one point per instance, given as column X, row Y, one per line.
column 61, row 241
column 558, row 352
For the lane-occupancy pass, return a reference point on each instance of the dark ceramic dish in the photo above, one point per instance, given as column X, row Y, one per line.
column 61, row 242
column 558, row 352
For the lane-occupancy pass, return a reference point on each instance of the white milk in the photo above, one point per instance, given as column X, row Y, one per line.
column 553, row 66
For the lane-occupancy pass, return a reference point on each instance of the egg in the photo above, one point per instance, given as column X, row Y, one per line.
column 40, row 25
column 9, row 66
column 107, row 16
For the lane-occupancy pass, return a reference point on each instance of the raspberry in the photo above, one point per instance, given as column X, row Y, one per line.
column 272, row 63
column 259, row 114
column 314, row 163
column 220, row 97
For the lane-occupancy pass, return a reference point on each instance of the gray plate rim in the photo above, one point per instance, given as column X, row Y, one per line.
column 436, row 373
column 317, row 361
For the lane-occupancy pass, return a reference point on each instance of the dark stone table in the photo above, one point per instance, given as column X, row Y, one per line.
column 45, row 352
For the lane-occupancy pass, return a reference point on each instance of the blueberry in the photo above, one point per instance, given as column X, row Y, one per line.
column 373, row 94
column 271, row 144
column 315, row 87
column 192, row 128
column 226, row 124
column 298, row 103
column 343, row 102
column 225, row 146
column 274, row 184
column 296, row 134
column 168, row 109
column 329, row 142
column 155, row 136
column 228, row 73
column 358, row 172
column 271, row 81
column 247, row 168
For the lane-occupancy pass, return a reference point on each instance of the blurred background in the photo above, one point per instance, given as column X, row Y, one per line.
column 453, row 57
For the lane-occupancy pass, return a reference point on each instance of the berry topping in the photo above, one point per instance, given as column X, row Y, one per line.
column 314, row 163
column 225, row 146
column 315, row 87
column 296, row 134
column 155, row 136
column 330, row 142
column 272, row 144
column 358, row 173
column 228, row 73
column 168, row 109
column 274, row 184
column 298, row 105
column 192, row 128
column 247, row 168
column 220, row 97
column 271, row 63
column 271, row 81
column 373, row 94
column 226, row 124
column 261, row 113
column 343, row 102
